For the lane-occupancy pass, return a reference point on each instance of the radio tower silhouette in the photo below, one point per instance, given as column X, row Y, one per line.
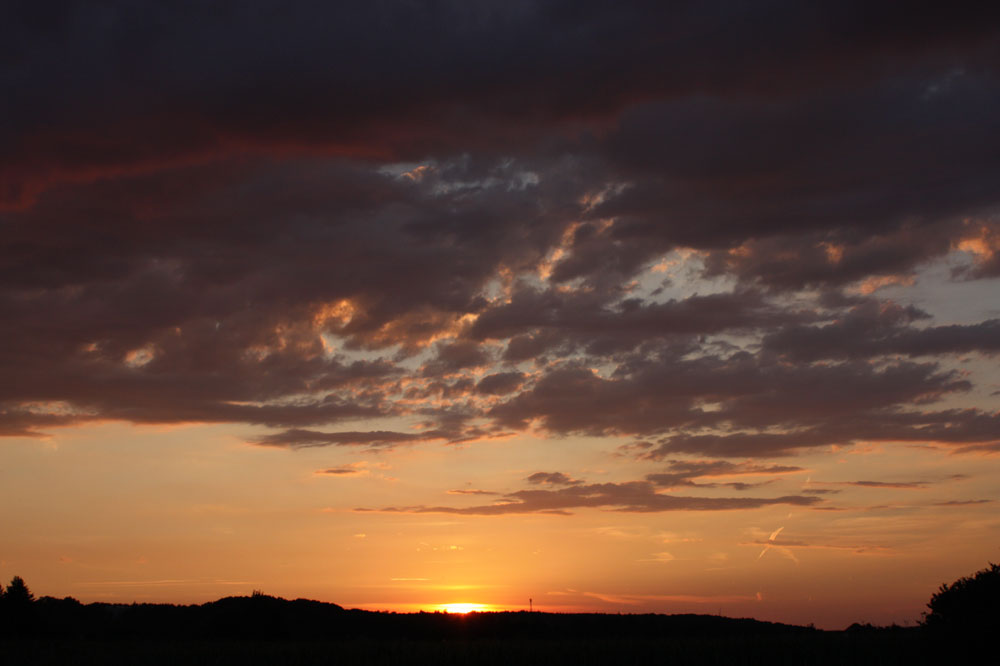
column 531, row 605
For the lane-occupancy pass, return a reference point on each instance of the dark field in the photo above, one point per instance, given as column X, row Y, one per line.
column 877, row 647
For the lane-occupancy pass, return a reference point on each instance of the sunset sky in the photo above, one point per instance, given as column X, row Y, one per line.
column 616, row 306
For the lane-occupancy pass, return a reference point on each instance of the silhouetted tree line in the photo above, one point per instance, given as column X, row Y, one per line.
column 264, row 617
column 968, row 604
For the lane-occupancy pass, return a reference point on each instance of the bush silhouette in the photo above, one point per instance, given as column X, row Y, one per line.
column 970, row 604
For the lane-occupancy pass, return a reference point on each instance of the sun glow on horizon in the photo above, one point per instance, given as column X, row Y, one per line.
column 463, row 608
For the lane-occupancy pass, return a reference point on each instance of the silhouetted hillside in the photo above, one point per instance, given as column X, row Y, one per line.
column 262, row 617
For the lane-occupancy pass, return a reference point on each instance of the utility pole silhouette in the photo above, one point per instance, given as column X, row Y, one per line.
column 531, row 605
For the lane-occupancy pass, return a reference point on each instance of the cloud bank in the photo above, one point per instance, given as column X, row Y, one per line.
column 475, row 220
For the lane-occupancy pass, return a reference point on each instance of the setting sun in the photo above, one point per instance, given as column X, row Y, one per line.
column 463, row 608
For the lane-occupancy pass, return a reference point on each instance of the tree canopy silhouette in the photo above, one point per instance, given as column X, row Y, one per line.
column 17, row 593
column 969, row 604
column 17, row 616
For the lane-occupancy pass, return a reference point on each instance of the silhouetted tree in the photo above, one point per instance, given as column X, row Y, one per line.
column 18, row 616
column 969, row 604
column 17, row 593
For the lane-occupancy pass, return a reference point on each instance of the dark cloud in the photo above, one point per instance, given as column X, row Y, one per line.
column 456, row 356
column 631, row 497
column 553, row 479
column 339, row 471
column 685, row 473
column 156, row 83
column 218, row 315
column 963, row 502
column 500, row 383
column 899, row 485
column 790, row 193
column 740, row 485
column 835, row 257
column 297, row 438
column 810, row 402
column 305, row 218
column 595, row 322
column 895, row 485
column 877, row 329
column 967, row 430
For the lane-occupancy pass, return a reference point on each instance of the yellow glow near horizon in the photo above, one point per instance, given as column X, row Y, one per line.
column 181, row 528
column 463, row 608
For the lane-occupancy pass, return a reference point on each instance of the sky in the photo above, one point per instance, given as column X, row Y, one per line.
column 617, row 307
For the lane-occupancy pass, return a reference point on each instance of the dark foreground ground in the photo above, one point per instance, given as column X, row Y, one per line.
column 267, row 630
column 820, row 648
